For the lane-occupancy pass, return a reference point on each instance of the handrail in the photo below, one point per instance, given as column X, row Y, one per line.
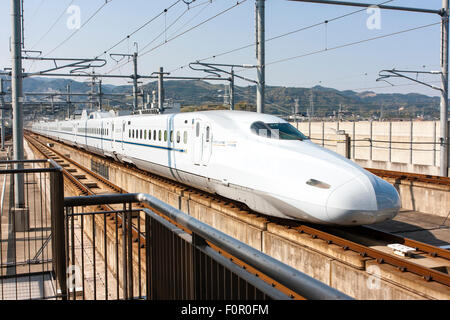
column 291, row 278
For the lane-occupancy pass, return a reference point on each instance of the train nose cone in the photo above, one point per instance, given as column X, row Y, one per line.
column 363, row 200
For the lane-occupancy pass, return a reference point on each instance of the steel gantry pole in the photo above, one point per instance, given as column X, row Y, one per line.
column 16, row 97
column 135, row 82
column 232, row 90
column 444, row 91
column 100, row 95
column 260, row 54
column 68, row 100
column 2, row 113
column 161, row 90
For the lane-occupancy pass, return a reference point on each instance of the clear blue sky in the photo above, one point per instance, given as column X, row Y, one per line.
column 354, row 67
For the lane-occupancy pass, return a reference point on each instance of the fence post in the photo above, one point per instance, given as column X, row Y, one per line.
column 197, row 266
column 148, row 259
column 434, row 143
column 411, row 142
column 390, row 141
column 58, row 230
column 354, row 140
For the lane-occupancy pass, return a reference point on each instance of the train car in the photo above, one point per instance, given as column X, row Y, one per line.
column 258, row 159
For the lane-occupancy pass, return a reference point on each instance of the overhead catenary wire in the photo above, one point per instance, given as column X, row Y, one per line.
column 345, row 45
column 53, row 25
column 207, row 2
column 196, row 26
column 182, row 33
column 324, row 22
column 78, row 29
column 35, row 12
column 140, row 28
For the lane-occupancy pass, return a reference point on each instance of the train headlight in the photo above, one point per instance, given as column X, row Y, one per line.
column 318, row 184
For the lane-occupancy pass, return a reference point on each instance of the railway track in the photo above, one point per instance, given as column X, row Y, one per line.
column 412, row 177
column 366, row 241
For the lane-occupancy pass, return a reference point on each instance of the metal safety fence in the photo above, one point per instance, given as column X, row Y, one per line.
column 27, row 267
column 158, row 252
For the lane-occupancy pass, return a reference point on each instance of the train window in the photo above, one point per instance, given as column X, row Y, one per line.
column 140, row 134
column 185, row 137
column 208, row 133
column 197, row 129
column 165, row 135
column 171, row 136
column 281, row 131
column 178, row 137
column 129, row 133
column 149, row 134
column 145, row 134
column 132, row 133
column 159, row 135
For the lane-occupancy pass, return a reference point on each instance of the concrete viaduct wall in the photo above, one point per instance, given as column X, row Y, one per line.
column 391, row 146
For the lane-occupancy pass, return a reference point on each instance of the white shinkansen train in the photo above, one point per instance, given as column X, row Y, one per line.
column 258, row 159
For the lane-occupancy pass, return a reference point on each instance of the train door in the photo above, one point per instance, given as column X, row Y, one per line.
column 198, row 142
column 207, row 144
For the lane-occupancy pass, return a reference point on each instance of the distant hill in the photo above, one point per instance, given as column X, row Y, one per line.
column 279, row 100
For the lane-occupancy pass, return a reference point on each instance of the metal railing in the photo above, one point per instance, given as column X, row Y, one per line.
column 160, row 252
column 27, row 267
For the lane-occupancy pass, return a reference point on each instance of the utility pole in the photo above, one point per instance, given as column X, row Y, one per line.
column 100, row 94
column 444, row 90
column 161, row 90
column 135, row 82
column 17, row 99
column 232, row 90
column 144, row 100
column 68, row 100
column 92, row 94
column 296, row 112
column 260, row 54
column 2, row 106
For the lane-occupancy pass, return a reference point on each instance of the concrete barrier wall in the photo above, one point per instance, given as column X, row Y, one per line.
column 423, row 156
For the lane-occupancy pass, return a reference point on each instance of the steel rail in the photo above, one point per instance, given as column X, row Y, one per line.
column 431, row 179
column 315, row 232
column 381, row 257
